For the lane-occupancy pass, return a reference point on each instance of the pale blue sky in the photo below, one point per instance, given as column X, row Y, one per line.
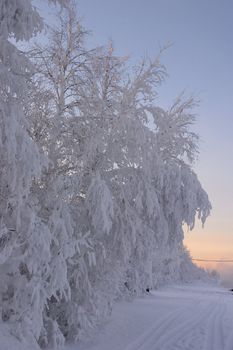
column 200, row 62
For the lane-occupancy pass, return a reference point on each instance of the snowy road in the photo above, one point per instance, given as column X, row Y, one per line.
column 191, row 317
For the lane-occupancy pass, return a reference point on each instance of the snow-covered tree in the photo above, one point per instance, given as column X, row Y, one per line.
column 27, row 245
column 21, row 163
column 96, row 182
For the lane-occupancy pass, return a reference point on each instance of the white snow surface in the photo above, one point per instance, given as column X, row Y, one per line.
column 180, row 317
column 193, row 316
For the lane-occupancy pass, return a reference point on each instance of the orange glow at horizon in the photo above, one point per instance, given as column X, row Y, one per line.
column 209, row 247
column 203, row 244
column 208, row 242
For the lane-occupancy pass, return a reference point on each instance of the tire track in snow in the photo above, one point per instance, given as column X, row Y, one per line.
column 140, row 341
column 215, row 339
column 167, row 333
column 181, row 335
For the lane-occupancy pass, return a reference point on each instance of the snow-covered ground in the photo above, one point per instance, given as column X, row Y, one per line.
column 178, row 317
column 181, row 317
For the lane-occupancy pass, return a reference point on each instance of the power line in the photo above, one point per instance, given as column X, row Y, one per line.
column 213, row 260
